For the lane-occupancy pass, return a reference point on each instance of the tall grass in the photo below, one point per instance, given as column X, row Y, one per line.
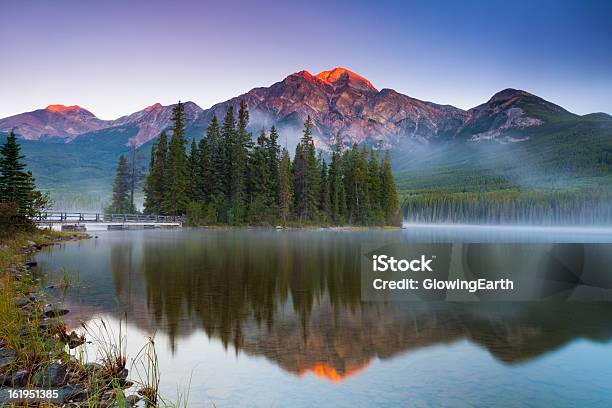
column 146, row 365
column 20, row 330
column 20, row 326
column 108, row 377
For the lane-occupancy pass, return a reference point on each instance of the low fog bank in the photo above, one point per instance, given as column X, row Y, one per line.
column 507, row 233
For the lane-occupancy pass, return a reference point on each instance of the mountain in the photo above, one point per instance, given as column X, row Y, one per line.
column 70, row 122
column 338, row 100
column 66, row 122
column 342, row 101
column 153, row 119
column 510, row 110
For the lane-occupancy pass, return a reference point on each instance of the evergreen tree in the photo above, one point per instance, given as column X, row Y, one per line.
column 261, row 201
column 195, row 214
column 355, row 169
column 240, row 142
column 194, row 180
column 121, row 189
column 218, row 167
column 175, row 197
column 18, row 194
column 307, row 176
column 285, row 187
column 231, row 189
column 314, row 181
column 336, row 185
column 360, row 179
column 324, row 201
column 218, row 158
column 37, row 201
column 155, row 183
column 273, row 157
column 216, row 212
column 204, row 182
column 349, row 162
column 299, row 182
column 13, row 177
column 229, row 136
column 390, row 205
column 374, row 190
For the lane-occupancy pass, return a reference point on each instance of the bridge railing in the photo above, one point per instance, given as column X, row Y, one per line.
column 80, row 217
column 55, row 216
column 141, row 218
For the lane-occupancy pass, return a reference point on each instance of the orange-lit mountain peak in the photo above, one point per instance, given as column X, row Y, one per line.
column 63, row 108
column 334, row 75
column 326, row 371
column 154, row 106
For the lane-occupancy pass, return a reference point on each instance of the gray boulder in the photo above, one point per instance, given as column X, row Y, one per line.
column 54, row 375
column 73, row 392
column 54, row 311
column 16, row 379
column 7, row 357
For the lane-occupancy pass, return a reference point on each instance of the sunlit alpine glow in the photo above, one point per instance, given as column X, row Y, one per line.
column 328, row 372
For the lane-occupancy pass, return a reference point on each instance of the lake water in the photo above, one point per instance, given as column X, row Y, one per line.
column 275, row 318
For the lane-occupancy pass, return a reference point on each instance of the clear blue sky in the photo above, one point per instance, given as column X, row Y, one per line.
column 116, row 57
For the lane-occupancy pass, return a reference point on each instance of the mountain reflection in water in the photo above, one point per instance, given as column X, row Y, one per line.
column 294, row 298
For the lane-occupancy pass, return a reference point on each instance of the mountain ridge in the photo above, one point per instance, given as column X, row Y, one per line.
column 514, row 140
column 338, row 100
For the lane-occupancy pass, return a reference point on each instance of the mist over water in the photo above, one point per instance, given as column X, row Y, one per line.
column 506, row 233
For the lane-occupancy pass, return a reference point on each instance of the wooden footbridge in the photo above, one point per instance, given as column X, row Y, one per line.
column 80, row 220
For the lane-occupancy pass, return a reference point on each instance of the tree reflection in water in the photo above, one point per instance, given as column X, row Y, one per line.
column 294, row 297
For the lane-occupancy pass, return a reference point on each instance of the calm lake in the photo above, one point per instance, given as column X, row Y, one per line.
column 275, row 318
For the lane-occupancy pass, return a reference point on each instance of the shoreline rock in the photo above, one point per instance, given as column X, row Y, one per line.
column 74, row 380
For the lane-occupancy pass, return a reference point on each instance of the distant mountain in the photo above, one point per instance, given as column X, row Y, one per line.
column 70, row 122
column 66, row 122
column 510, row 110
column 153, row 119
column 338, row 100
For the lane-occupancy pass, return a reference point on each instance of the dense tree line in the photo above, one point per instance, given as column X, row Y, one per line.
column 19, row 200
column 227, row 178
column 512, row 206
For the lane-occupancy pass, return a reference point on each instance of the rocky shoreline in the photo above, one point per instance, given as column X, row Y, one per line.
column 35, row 353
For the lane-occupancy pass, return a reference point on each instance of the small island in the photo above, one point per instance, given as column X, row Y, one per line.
column 227, row 179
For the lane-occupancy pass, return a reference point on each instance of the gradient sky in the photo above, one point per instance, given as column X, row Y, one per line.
column 117, row 57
